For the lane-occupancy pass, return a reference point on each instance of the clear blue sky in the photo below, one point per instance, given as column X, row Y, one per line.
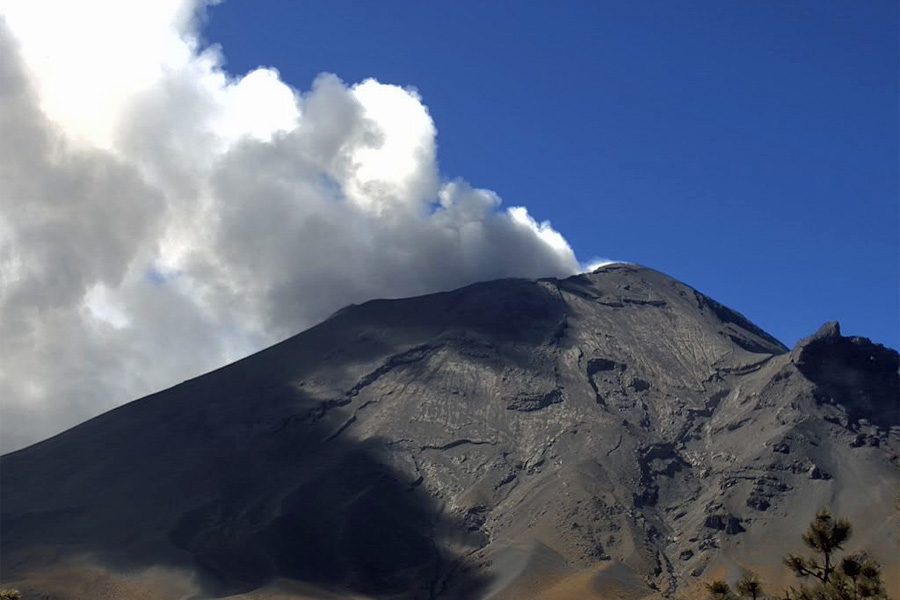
column 749, row 149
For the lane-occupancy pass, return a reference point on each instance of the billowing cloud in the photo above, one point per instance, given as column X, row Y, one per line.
column 160, row 217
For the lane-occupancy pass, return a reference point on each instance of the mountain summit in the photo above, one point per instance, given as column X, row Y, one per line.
column 612, row 435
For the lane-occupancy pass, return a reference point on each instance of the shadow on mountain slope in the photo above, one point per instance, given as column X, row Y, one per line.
column 233, row 489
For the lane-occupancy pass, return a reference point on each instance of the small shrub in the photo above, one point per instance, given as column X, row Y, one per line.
column 719, row 590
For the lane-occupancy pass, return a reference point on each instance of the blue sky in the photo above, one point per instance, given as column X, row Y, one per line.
column 749, row 149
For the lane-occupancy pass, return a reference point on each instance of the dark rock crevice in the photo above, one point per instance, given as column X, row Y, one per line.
column 533, row 402
column 457, row 443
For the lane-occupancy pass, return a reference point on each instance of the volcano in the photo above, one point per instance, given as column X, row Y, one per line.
column 613, row 435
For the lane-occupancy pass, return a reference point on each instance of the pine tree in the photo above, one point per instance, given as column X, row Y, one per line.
column 856, row 577
column 824, row 536
column 749, row 586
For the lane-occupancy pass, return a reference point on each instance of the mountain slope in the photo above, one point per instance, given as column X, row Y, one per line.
column 616, row 433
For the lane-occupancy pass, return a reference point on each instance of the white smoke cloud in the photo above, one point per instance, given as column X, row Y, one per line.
column 160, row 217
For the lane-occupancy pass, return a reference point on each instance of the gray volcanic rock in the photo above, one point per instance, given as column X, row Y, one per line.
column 615, row 430
column 852, row 372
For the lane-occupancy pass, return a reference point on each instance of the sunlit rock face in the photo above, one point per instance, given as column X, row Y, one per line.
column 613, row 432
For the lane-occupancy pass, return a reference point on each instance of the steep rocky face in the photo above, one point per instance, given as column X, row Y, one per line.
column 851, row 372
column 612, row 433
